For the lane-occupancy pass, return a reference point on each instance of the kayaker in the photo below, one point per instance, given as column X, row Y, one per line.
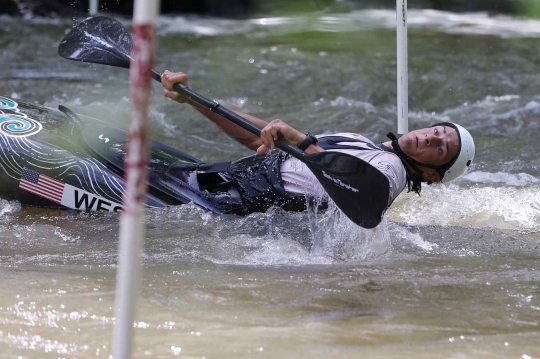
column 440, row 153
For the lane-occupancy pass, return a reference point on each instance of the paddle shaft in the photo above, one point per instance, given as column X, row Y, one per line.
column 231, row 116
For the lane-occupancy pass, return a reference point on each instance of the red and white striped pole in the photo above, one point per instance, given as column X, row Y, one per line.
column 132, row 228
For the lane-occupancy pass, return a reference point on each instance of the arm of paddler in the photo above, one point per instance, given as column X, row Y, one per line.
column 244, row 137
column 279, row 129
column 269, row 130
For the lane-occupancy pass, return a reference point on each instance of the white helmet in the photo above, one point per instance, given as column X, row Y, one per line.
column 463, row 160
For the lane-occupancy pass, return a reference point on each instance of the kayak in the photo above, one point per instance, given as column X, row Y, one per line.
column 57, row 159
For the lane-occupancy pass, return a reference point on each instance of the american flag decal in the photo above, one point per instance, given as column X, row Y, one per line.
column 41, row 185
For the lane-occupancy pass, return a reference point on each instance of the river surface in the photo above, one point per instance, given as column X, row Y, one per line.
column 451, row 274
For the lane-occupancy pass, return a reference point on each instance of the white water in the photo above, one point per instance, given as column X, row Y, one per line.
column 478, row 23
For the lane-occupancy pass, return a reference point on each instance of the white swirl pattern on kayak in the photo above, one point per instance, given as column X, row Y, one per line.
column 13, row 123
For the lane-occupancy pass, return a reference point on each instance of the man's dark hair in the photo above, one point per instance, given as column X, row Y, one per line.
column 414, row 184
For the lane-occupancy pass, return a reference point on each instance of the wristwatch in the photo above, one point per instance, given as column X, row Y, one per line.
column 309, row 140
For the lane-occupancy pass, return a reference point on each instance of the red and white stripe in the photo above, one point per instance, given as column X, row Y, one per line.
column 132, row 229
column 46, row 187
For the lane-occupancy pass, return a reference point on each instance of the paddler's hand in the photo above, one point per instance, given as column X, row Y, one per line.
column 278, row 129
column 168, row 79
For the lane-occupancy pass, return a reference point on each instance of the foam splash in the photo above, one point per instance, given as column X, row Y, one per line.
column 498, row 115
column 275, row 237
column 440, row 205
column 348, row 103
column 509, row 179
column 283, row 251
column 402, row 234
column 203, row 26
column 336, row 236
column 477, row 23
column 7, row 207
column 506, row 115
column 65, row 237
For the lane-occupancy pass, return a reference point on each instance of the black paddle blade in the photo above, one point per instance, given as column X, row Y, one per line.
column 360, row 190
column 98, row 40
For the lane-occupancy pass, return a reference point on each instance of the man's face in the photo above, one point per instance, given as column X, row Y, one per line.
column 434, row 145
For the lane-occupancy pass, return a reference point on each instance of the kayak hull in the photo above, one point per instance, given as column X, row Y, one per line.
column 51, row 158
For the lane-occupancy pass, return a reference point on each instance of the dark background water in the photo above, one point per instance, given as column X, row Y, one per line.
column 249, row 8
column 452, row 273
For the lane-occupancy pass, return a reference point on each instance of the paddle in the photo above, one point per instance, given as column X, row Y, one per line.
column 358, row 189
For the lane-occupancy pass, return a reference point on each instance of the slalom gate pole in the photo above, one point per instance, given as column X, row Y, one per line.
column 402, row 68
column 94, row 6
column 132, row 228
